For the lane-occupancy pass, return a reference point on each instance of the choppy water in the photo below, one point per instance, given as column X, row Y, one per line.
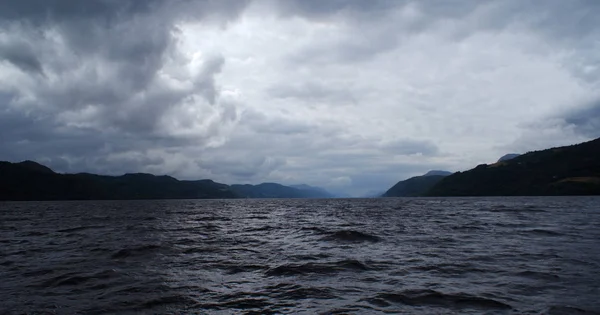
column 371, row 256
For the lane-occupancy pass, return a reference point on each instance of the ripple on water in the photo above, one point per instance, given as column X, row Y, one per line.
column 136, row 251
column 362, row 256
column 351, row 236
column 434, row 298
column 317, row 268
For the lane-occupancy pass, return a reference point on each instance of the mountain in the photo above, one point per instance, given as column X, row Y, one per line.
column 569, row 170
column 313, row 192
column 29, row 180
column 32, row 181
column 507, row 157
column 273, row 190
column 34, row 167
column 416, row 186
column 437, row 173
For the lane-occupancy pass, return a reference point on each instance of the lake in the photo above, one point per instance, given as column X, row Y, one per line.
column 527, row 255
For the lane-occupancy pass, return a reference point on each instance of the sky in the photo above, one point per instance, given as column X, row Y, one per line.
column 351, row 95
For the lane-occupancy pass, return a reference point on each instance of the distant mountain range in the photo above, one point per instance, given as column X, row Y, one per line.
column 569, row 170
column 32, row 181
column 273, row 190
column 315, row 192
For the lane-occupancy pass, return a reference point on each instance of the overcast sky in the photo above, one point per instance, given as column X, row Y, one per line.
column 348, row 95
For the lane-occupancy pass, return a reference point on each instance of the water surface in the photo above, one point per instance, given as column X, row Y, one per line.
column 337, row 256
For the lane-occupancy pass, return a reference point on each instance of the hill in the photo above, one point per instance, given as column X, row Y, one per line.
column 29, row 180
column 416, row 186
column 569, row 170
column 437, row 173
column 32, row 181
column 507, row 157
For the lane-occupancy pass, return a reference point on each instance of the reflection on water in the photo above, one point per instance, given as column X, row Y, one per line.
column 369, row 256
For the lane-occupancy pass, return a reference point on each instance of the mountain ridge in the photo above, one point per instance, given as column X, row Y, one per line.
column 29, row 180
column 567, row 170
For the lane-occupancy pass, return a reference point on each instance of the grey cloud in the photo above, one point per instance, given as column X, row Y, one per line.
column 24, row 136
column 314, row 159
column 319, row 9
column 21, row 54
column 248, row 169
column 410, row 147
column 586, row 120
column 563, row 127
column 102, row 87
column 377, row 28
column 205, row 82
column 260, row 123
column 38, row 11
column 312, row 91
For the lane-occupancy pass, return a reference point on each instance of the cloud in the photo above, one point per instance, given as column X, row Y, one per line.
column 20, row 54
column 410, row 147
column 585, row 120
column 351, row 95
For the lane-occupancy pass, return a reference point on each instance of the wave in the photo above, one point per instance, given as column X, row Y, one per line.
column 290, row 291
column 205, row 249
column 166, row 300
column 35, row 233
column 7, row 263
column 351, row 236
column 135, row 251
column 260, row 229
column 542, row 232
column 434, row 298
column 72, row 278
column 211, row 218
column 245, row 303
column 450, row 269
column 231, row 270
column 318, row 268
column 315, row 229
column 565, row 310
column 81, row 228
column 538, row 275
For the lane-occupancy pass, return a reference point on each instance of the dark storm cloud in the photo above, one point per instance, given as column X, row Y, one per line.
column 102, row 64
column 23, row 137
column 186, row 88
column 40, row 11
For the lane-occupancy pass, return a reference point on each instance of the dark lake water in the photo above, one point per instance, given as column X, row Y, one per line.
column 344, row 256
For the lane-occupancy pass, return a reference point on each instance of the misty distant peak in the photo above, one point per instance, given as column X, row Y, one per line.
column 509, row 156
column 317, row 190
column 437, row 173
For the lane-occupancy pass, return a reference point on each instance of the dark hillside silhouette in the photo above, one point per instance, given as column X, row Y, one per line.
column 569, row 170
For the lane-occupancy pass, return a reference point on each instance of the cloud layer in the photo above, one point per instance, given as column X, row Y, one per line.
column 349, row 95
